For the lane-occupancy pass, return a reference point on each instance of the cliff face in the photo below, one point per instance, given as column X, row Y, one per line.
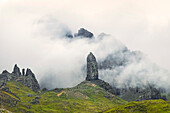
column 27, row 79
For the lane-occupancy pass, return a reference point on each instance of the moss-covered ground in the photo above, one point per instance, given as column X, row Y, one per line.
column 85, row 97
column 146, row 106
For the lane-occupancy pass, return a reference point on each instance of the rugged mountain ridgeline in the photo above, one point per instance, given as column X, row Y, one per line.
column 20, row 92
column 91, row 95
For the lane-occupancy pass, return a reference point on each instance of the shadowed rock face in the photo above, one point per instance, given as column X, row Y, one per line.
column 84, row 33
column 16, row 70
column 23, row 71
column 92, row 74
column 92, row 68
column 27, row 79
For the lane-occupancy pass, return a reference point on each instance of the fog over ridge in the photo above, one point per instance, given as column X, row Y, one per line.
column 33, row 34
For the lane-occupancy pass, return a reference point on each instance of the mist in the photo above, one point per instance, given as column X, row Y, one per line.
column 32, row 34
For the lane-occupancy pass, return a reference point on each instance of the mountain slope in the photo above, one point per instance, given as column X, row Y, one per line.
column 85, row 97
column 146, row 106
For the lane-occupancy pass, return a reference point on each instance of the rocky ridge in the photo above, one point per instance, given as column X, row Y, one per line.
column 129, row 94
column 82, row 33
column 28, row 78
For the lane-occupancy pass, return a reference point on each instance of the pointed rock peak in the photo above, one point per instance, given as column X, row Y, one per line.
column 91, row 57
column 84, row 33
column 29, row 72
column 23, row 71
column 5, row 72
column 16, row 70
column 92, row 68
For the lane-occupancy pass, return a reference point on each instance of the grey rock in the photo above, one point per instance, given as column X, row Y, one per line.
column 147, row 92
column 5, row 72
column 16, row 70
column 105, row 86
column 29, row 80
column 84, row 33
column 150, row 93
column 37, row 97
column 23, row 71
column 36, row 100
column 92, row 68
column 29, row 72
column 29, row 95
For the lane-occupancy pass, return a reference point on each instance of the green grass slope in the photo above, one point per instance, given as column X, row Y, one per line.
column 85, row 97
column 146, row 106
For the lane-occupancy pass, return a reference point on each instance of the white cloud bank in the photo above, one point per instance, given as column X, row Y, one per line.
column 26, row 33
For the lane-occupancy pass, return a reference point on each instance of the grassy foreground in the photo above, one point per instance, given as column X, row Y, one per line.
column 85, row 97
column 146, row 106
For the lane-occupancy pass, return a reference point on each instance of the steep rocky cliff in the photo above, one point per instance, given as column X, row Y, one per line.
column 27, row 79
column 146, row 92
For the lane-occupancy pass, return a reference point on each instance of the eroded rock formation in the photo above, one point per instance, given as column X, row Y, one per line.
column 92, row 68
column 27, row 79
column 84, row 33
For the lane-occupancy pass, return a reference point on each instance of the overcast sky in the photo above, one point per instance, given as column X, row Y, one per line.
column 139, row 24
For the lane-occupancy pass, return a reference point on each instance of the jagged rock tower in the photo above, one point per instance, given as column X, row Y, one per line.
column 27, row 79
column 92, row 68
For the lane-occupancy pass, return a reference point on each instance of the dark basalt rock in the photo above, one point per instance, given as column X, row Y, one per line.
column 92, row 74
column 23, row 71
column 69, row 35
column 148, row 92
column 29, row 72
column 5, row 72
column 36, row 100
column 84, row 33
column 105, row 86
column 92, row 68
column 28, row 79
column 16, row 70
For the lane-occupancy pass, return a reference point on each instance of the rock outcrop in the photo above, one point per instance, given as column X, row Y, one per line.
column 129, row 94
column 84, row 33
column 27, row 79
column 23, row 71
column 16, row 70
column 92, row 74
column 92, row 68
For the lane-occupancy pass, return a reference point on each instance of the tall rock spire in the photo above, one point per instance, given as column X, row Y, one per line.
column 92, row 68
column 16, row 70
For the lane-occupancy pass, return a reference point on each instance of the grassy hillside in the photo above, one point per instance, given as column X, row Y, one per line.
column 85, row 97
column 147, row 106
